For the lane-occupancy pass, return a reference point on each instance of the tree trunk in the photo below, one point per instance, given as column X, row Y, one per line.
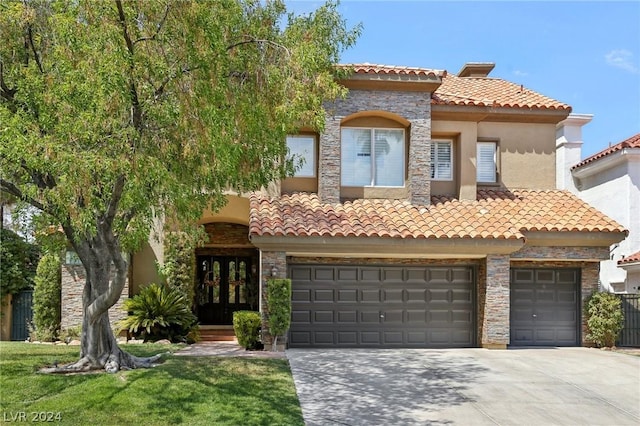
column 99, row 348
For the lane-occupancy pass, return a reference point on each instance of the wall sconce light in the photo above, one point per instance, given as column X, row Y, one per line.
column 274, row 271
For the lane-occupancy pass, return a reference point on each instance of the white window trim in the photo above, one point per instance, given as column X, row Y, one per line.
column 494, row 146
column 434, row 142
column 313, row 158
column 373, row 157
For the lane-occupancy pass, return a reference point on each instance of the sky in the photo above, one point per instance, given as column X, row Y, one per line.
column 583, row 53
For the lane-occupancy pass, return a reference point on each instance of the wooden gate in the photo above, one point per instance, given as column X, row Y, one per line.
column 630, row 333
column 22, row 314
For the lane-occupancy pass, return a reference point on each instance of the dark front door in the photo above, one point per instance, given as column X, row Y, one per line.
column 225, row 285
column 22, row 314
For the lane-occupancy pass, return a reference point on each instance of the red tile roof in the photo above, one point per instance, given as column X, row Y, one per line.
column 630, row 259
column 390, row 70
column 468, row 91
column 491, row 92
column 632, row 142
column 494, row 215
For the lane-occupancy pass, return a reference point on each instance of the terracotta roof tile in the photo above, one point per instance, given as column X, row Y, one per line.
column 367, row 68
column 632, row 142
column 491, row 92
column 635, row 257
column 494, row 215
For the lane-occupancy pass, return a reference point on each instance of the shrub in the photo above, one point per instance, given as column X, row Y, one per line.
column 246, row 325
column 71, row 333
column 279, row 307
column 159, row 312
column 604, row 318
column 46, row 298
column 179, row 266
column 18, row 261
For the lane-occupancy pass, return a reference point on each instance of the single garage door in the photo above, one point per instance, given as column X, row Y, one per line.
column 544, row 307
column 382, row 306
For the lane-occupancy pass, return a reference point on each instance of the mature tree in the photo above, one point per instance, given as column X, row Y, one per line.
column 115, row 113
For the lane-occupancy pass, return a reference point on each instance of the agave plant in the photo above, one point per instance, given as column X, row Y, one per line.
column 159, row 312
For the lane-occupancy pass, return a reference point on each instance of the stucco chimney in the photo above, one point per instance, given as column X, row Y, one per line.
column 569, row 148
column 476, row 69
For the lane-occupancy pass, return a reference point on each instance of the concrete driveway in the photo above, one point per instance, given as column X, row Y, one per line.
column 569, row 386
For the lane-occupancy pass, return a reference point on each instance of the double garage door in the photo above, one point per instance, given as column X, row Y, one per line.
column 382, row 306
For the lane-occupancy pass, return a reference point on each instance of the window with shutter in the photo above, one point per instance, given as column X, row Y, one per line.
column 486, row 162
column 441, row 160
column 372, row 157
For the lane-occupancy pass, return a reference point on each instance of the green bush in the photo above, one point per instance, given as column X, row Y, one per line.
column 46, row 298
column 18, row 261
column 604, row 318
column 179, row 266
column 159, row 312
column 279, row 307
column 246, row 325
column 71, row 333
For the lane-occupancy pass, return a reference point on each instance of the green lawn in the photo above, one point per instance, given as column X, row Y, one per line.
column 182, row 390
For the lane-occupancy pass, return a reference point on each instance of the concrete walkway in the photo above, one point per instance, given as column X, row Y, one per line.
column 230, row 348
column 569, row 386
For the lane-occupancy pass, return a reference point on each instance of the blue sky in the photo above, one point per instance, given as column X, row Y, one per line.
column 583, row 53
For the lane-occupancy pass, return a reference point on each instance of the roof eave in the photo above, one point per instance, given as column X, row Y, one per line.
column 497, row 114
column 574, row 238
column 387, row 247
column 593, row 166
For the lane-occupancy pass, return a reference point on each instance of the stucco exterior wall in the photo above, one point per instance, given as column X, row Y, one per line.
column 526, row 153
column 616, row 192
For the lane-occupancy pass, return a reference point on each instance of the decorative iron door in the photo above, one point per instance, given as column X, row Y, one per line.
column 225, row 285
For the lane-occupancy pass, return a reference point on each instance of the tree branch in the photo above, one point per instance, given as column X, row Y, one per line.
column 12, row 189
column 116, row 195
column 33, row 49
column 5, row 91
column 123, row 24
column 158, row 28
column 252, row 40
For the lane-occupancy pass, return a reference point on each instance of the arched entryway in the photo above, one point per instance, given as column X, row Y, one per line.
column 226, row 274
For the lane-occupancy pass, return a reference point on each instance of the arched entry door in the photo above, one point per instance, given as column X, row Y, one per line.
column 225, row 284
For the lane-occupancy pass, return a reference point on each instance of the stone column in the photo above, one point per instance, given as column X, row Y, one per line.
column 329, row 162
column 495, row 327
column 588, row 284
column 270, row 259
column 419, row 181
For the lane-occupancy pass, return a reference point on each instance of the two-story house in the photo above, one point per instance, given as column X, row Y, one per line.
column 425, row 215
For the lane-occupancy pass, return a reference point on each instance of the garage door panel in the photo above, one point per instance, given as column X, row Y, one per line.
column 438, row 295
column 301, row 317
column 544, row 307
column 393, row 316
column 416, row 295
column 323, row 295
column 300, row 295
column 347, row 317
column 382, row 307
column 324, row 274
column 325, row 317
column 389, row 295
column 369, row 317
column 347, row 274
column 369, row 296
column 347, row 295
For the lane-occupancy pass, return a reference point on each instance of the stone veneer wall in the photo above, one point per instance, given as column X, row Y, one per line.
column 495, row 324
column 73, row 280
column 412, row 106
column 227, row 234
column 269, row 260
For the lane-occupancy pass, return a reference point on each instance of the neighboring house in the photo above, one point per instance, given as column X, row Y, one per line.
column 610, row 181
column 425, row 215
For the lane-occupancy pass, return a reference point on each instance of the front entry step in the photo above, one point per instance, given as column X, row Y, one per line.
column 217, row 333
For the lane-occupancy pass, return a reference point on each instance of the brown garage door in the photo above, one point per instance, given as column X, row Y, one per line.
column 544, row 307
column 382, row 306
